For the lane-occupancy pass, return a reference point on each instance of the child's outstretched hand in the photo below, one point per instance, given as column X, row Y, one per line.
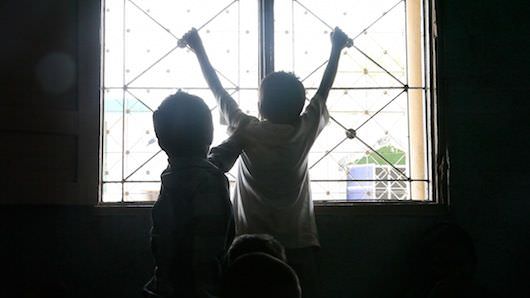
column 192, row 39
column 339, row 39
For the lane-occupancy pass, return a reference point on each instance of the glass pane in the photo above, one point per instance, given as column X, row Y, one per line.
column 142, row 65
column 134, row 192
column 369, row 97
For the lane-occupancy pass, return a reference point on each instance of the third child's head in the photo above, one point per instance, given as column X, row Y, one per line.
column 183, row 125
column 281, row 98
column 251, row 243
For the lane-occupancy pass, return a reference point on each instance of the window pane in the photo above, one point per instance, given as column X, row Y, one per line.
column 370, row 97
column 142, row 65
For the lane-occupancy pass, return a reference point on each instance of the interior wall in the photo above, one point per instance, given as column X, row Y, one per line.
column 49, row 113
column 483, row 79
column 484, row 75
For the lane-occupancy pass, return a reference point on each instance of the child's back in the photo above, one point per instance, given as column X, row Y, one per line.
column 191, row 227
column 192, row 218
column 272, row 192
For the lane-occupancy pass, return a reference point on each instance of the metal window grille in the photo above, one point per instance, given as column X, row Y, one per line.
column 370, row 104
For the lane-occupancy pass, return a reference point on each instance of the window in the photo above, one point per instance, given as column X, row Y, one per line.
column 377, row 146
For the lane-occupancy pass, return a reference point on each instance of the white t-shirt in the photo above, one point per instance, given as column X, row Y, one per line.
column 273, row 193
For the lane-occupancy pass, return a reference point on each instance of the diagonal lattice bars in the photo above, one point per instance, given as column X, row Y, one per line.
column 363, row 54
column 404, row 86
column 165, row 28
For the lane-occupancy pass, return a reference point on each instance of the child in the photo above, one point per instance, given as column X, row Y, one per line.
column 272, row 193
column 260, row 275
column 193, row 217
column 251, row 243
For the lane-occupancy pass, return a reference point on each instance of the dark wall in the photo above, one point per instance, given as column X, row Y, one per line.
column 483, row 75
column 484, row 82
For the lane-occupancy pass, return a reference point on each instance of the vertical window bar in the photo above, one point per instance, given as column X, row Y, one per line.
column 102, row 91
column 266, row 37
column 124, row 24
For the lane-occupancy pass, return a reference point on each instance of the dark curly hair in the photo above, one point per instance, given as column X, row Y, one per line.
column 282, row 97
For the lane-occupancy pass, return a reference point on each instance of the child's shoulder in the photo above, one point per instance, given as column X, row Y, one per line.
column 190, row 173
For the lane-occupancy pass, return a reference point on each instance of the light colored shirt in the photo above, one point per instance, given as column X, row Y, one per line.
column 273, row 193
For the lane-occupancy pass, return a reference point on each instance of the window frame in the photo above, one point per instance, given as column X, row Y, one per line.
column 436, row 144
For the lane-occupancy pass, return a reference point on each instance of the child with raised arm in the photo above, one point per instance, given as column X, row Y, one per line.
column 272, row 192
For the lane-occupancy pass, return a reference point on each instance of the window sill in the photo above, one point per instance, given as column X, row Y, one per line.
column 402, row 208
column 393, row 208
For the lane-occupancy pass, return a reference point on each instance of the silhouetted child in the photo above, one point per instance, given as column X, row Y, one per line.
column 251, row 243
column 192, row 218
column 272, row 193
column 260, row 275
column 449, row 262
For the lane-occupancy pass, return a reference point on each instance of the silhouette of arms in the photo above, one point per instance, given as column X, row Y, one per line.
column 225, row 154
column 230, row 111
column 339, row 40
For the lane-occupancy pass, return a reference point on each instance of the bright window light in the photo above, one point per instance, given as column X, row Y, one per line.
column 376, row 146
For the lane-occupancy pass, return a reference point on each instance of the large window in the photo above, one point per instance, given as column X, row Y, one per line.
column 377, row 146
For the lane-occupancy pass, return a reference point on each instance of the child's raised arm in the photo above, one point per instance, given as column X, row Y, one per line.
column 229, row 109
column 339, row 40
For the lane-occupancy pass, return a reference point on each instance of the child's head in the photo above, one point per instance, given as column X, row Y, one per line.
column 281, row 98
column 260, row 275
column 183, row 125
column 449, row 250
column 250, row 243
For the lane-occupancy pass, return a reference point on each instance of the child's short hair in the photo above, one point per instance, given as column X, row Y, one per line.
column 260, row 275
column 183, row 125
column 282, row 97
column 250, row 243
